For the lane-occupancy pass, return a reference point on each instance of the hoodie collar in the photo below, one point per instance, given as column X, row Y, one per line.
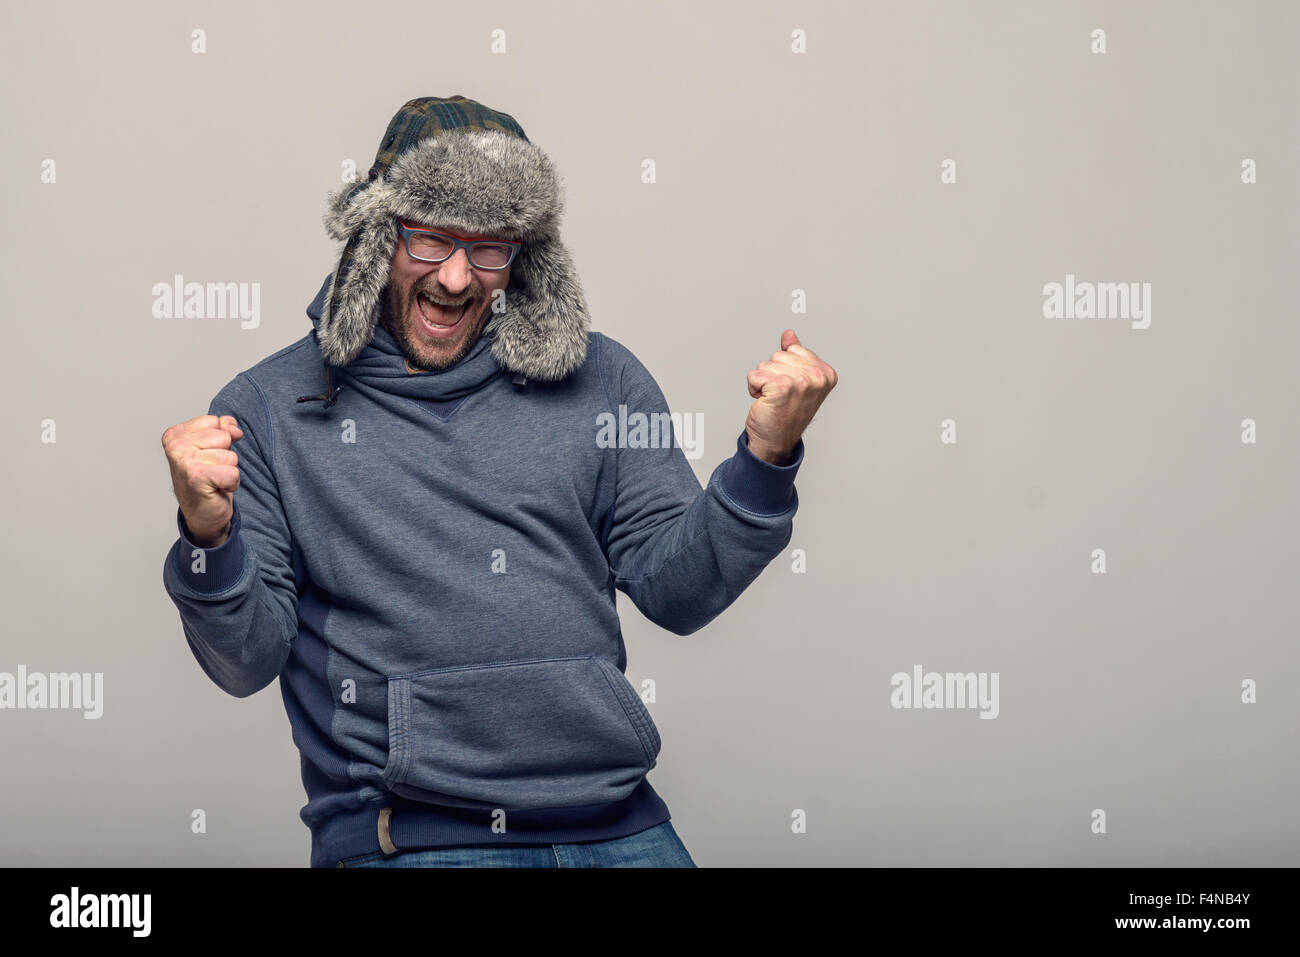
column 382, row 365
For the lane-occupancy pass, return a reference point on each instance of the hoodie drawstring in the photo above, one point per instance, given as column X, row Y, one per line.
column 330, row 395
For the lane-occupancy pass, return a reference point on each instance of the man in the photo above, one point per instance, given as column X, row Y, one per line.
column 426, row 553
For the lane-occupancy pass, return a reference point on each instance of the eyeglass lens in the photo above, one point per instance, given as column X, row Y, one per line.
column 485, row 255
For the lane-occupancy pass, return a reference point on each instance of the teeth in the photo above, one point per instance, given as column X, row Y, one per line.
column 439, row 302
column 439, row 325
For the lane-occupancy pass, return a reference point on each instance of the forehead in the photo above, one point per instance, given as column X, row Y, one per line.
column 438, row 227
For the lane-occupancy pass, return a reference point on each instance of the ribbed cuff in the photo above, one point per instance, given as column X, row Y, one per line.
column 756, row 485
column 221, row 565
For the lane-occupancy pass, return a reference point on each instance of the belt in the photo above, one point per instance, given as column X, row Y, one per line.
column 385, row 838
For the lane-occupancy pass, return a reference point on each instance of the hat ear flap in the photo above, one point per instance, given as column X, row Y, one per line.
column 542, row 332
column 352, row 301
column 349, row 208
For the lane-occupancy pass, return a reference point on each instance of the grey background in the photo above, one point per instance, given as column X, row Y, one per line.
column 775, row 172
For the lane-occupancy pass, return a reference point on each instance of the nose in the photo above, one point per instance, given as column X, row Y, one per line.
column 454, row 273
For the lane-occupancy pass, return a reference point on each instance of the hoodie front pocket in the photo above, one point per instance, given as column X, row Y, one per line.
column 524, row 734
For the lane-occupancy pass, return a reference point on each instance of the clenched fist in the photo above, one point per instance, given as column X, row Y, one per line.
column 205, row 474
column 789, row 388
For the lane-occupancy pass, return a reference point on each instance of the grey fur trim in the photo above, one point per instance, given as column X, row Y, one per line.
column 480, row 181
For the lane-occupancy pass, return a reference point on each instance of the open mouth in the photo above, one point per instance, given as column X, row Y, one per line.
column 441, row 319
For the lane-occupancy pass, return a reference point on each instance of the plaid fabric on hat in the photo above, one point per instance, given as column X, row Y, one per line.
column 428, row 115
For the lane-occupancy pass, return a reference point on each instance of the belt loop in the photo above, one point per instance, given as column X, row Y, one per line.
column 385, row 841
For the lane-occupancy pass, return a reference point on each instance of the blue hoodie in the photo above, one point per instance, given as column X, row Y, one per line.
column 429, row 566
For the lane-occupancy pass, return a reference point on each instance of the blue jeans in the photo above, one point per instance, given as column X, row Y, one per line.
column 658, row 846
